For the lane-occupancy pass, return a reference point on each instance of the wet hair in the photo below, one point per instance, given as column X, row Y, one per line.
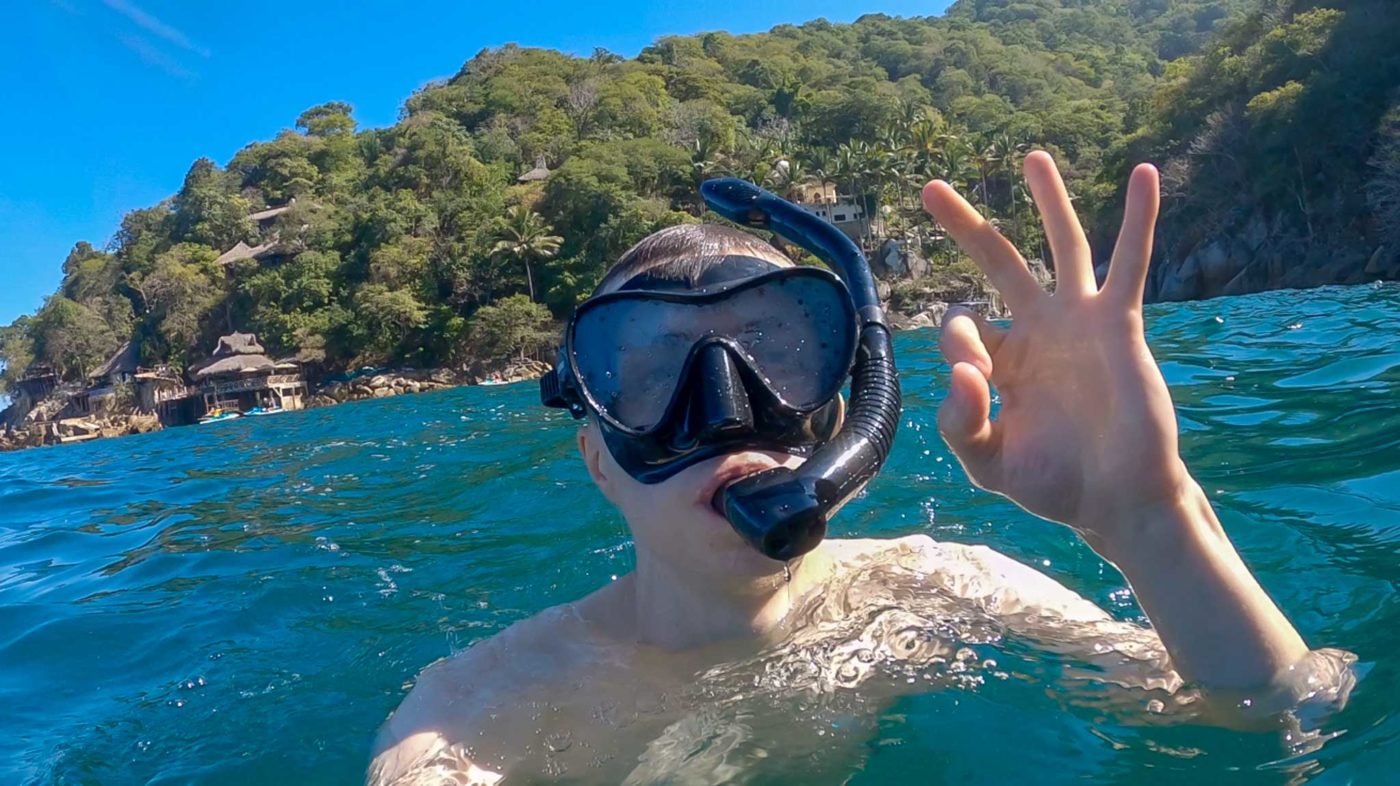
column 682, row 252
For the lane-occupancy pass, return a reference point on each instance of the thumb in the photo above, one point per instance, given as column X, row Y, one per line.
column 963, row 422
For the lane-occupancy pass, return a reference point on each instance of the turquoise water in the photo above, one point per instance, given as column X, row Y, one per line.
column 245, row 602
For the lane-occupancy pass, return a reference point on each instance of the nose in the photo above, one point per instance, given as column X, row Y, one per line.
column 719, row 404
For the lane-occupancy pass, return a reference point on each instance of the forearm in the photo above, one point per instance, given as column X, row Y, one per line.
column 1219, row 627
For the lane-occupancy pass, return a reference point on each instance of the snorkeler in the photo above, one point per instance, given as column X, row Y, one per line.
column 707, row 373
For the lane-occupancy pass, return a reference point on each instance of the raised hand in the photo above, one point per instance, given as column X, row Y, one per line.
column 1087, row 436
column 1086, row 430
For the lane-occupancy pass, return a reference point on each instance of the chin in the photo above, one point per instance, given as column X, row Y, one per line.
column 676, row 517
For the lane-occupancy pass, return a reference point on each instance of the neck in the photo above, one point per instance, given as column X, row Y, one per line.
column 678, row 610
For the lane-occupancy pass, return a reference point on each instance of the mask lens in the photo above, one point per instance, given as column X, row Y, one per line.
column 796, row 328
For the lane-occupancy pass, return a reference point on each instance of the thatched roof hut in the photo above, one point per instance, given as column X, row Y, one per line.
column 237, row 353
column 270, row 213
column 243, row 251
column 121, row 365
column 540, row 172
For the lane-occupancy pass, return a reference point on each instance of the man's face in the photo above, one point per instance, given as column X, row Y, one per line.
column 673, row 520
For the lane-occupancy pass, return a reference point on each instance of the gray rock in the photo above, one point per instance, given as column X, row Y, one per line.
column 1253, row 278
column 917, row 266
column 1383, row 263
column 1042, row 274
column 1181, row 281
column 1217, row 266
column 1256, row 233
column 935, row 312
column 921, row 320
column 888, row 260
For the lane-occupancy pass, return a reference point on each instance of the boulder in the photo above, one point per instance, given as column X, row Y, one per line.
column 1383, row 264
column 882, row 289
column 1254, row 278
column 916, row 266
column 922, row 320
column 1180, row 281
column 935, row 313
column 898, row 321
column 1217, row 266
column 888, row 261
column 1255, row 233
column 1042, row 274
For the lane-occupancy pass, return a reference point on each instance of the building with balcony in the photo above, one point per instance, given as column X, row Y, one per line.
column 823, row 200
column 239, row 376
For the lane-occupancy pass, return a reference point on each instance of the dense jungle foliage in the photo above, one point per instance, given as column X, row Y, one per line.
column 416, row 244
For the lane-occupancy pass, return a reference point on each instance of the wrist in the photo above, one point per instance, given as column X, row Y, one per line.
column 1132, row 529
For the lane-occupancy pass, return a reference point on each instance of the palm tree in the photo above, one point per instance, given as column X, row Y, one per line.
column 1007, row 151
column 525, row 237
column 706, row 159
column 953, row 162
column 787, row 178
column 821, row 165
column 926, row 136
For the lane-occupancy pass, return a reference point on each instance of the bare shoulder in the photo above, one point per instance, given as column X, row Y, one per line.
column 1001, row 584
column 449, row 700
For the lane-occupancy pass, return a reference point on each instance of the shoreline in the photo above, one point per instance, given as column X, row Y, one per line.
column 911, row 304
column 124, row 421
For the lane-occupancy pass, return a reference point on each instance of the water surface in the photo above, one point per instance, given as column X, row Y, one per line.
column 245, row 602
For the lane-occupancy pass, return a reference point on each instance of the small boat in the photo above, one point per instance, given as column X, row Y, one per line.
column 493, row 381
column 256, row 411
column 218, row 414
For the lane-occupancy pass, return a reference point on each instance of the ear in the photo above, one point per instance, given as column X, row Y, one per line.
column 593, row 452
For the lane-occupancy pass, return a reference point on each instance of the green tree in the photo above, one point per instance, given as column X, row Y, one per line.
column 180, row 294
column 16, row 351
column 71, row 337
column 388, row 318
column 327, row 120
column 208, row 210
column 526, row 238
column 400, row 236
column 515, row 326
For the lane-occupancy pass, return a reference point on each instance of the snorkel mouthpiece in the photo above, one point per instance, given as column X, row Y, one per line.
column 784, row 512
column 779, row 512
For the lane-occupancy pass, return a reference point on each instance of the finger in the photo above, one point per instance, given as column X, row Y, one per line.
column 1074, row 271
column 967, row 338
column 1127, row 271
column 964, row 421
column 992, row 252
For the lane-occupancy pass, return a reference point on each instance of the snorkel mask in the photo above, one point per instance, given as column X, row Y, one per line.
column 749, row 357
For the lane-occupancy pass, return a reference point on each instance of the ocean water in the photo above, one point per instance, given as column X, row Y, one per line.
column 245, row 602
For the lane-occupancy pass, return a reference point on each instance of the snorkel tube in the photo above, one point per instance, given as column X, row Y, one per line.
column 784, row 512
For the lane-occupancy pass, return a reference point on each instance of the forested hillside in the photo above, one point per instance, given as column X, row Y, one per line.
column 417, row 244
column 1280, row 146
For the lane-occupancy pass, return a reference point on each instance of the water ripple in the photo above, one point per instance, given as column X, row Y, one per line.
column 245, row 602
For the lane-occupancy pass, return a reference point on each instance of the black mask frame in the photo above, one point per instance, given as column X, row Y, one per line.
column 735, row 406
column 784, row 512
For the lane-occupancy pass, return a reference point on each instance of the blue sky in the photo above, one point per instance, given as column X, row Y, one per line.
column 104, row 104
